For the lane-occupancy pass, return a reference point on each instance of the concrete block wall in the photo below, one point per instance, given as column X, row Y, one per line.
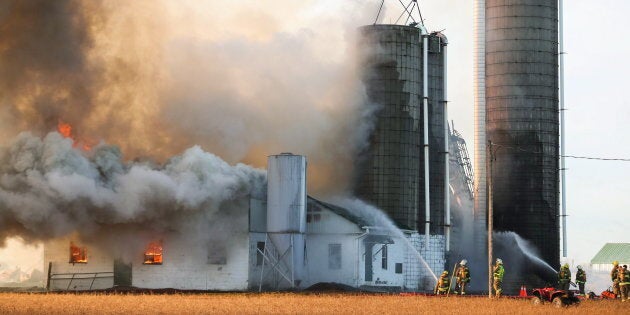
column 417, row 277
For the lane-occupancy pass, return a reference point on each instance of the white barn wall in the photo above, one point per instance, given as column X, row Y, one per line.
column 396, row 253
column 185, row 266
column 318, row 261
column 57, row 251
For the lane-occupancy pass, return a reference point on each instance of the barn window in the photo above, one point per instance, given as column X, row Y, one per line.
column 217, row 254
column 334, row 256
column 313, row 214
column 398, row 267
column 384, row 257
column 260, row 249
column 153, row 253
column 78, row 255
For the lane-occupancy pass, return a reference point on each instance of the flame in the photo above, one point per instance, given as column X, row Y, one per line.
column 77, row 254
column 153, row 253
column 65, row 129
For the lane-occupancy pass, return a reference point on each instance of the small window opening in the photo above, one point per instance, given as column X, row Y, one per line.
column 153, row 254
column 334, row 256
column 217, row 254
column 399, row 267
column 78, row 255
column 384, row 257
column 260, row 249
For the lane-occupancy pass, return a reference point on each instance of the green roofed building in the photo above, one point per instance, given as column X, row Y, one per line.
column 609, row 253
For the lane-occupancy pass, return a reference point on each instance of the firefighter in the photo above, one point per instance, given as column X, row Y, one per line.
column 443, row 284
column 498, row 273
column 463, row 276
column 614, row 275
column 580, row 279
column 624, row 282
column 564, row 277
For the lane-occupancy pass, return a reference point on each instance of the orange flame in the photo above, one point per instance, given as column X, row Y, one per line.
column 65, row 129
column 153, row 254
column 77, row 254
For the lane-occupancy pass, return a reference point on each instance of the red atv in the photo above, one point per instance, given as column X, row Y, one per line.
column 557, row 298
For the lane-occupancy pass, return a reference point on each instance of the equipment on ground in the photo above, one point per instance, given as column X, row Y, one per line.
column 558, row 298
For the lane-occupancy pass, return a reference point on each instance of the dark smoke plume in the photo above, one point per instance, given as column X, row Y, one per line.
column 50, row 189
column 45, row 73
column 157, row 77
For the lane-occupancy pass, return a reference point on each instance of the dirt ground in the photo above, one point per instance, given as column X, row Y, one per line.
column 282, row 303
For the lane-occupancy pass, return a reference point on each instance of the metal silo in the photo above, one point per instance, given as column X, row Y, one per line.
column 404, row 75
column 518, row 95
column 286, row 215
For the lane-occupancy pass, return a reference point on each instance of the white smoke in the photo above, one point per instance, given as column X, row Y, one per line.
column 49, row 189
column 378, row 219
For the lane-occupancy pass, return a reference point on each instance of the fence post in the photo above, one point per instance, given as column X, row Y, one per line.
column 48, row 278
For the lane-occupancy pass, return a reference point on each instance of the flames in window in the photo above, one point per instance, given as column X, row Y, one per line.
column 153, row 254
column 78, row 254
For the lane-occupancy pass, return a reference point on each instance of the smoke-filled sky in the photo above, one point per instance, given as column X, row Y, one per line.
column 245, row 79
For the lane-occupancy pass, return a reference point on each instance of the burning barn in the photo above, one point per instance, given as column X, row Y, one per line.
column 284, row 241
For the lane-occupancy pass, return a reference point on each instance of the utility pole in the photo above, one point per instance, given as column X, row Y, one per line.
column 490, row 214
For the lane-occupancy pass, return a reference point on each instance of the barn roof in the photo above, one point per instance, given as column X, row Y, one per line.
column 611, row 252
column 343, row 212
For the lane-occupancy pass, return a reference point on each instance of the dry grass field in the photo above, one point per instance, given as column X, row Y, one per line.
column 282, row 303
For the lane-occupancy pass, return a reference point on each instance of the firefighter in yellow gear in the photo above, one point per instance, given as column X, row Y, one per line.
column 614, row 275
column 564, row 277
column 463, row 276
column 497, row 275
column 580, row 279
column 624, row 282
column 443, row 284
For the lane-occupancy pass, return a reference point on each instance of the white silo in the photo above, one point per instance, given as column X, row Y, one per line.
column 286, row 216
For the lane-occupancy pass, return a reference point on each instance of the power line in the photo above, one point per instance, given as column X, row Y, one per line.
column 497, row 146
column 596, row 158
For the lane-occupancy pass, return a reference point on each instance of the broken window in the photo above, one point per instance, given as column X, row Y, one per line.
column 260, row 249
column 217, row 254
column 334, row 256
column 153, row 254
column 78, row 255
column 384, row 257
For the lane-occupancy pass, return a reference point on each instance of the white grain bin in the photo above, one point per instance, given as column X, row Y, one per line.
column 286, row 211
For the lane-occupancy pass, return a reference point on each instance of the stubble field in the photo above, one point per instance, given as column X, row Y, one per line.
column 282, row 303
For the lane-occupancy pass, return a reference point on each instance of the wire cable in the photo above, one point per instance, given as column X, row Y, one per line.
column 596, row 158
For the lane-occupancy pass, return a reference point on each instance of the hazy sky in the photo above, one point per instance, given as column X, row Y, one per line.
column 597, row 66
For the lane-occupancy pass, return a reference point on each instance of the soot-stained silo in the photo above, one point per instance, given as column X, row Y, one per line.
column 519, row 39
column 391, row 173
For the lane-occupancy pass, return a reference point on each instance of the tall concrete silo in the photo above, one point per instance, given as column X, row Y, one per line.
column 517, row 110
column 403, row 169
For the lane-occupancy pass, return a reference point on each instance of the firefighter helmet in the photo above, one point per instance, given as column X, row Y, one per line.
column 615, row 263
column 499, row 261
column 445, row 272
column 579, row 267
column 463, row 262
